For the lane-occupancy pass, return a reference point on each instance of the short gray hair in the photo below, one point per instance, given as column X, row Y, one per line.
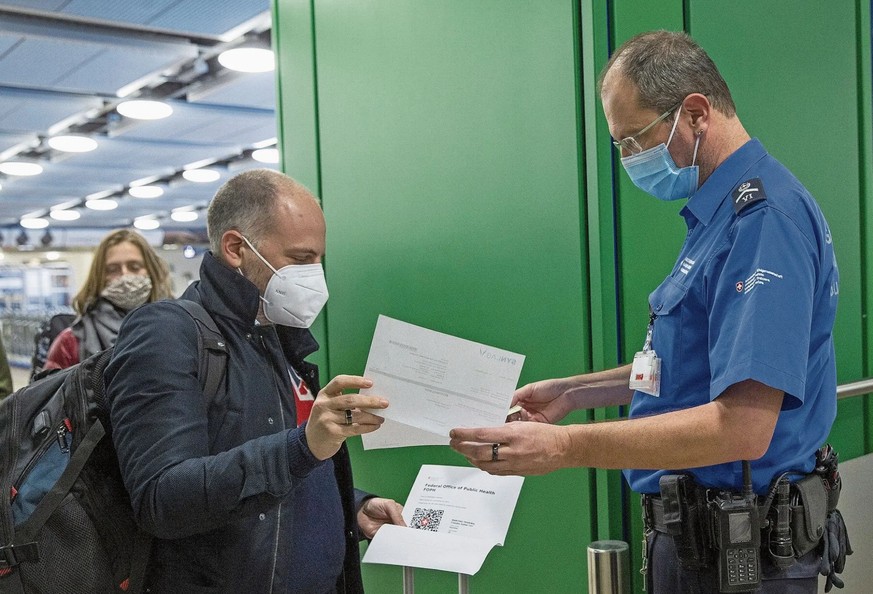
column 246, row 203
column 666, row 67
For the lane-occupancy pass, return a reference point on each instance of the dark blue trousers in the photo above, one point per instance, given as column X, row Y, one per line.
column 666, row 576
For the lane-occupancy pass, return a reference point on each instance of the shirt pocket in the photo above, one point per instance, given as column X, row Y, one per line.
column 666, row 303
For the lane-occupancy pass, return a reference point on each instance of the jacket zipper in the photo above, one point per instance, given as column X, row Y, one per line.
column 279, row 508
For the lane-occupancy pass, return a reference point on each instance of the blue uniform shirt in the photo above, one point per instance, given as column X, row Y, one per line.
column 753, row 295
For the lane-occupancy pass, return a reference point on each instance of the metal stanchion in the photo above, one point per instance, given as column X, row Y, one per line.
column 608, row 567
column 408, row 580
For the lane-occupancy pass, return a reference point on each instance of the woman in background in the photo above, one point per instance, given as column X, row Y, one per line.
column 125, row 273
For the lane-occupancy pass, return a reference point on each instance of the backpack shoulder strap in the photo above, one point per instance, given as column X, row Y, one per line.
column 212, row 347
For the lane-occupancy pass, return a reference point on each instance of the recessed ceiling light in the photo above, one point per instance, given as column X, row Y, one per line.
column 144, row 109
column 22, row 168
column 65, row 215
column 201, row 175
column 146, row 191
column 34, row 223
column 248, row 59
column 52, row 256
column 266, row 155
column 72, row 143
column 184, row 216
column 101, row 204
column 146, row 223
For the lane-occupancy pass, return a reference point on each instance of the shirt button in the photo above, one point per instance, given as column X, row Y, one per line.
column 270, row 420
column 660, row 306
column 249, row 336
column 262, row 516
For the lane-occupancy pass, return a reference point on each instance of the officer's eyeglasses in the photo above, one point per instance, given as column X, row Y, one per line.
column 631, row 145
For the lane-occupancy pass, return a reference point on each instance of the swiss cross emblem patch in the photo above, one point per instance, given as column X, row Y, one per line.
column 747, row 193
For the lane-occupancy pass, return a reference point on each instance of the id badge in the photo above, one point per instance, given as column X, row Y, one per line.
column 646, row 373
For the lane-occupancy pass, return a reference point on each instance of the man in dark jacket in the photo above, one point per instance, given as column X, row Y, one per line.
column 250, row 491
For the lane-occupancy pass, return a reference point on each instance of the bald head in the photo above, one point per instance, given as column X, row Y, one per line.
column 248, row 203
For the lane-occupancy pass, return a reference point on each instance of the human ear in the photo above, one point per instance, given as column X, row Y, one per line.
column 698, row 108
column 231, row 245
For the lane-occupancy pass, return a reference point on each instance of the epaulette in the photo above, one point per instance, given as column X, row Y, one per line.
column 747, row 193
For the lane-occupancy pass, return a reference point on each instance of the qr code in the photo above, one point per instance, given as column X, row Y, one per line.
column 427, row 519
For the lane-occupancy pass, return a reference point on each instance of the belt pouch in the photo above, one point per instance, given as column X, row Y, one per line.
column 686, row 520
column 809, row 513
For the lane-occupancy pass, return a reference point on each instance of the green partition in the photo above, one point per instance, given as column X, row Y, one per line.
column 449, row 166
column 466, row 175
column 797, row 84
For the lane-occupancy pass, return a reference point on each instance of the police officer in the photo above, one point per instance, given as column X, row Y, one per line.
column 738, row 360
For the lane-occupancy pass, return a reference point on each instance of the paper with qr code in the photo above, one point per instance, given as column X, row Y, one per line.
column 435, row 382
column 454, row 516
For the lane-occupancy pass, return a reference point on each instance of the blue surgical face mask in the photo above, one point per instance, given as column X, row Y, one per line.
column 654, row 171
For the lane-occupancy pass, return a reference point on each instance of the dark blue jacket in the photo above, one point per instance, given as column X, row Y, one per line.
column 228, row 486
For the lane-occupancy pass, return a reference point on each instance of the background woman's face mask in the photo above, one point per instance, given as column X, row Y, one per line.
column 295, row 294
column 654, row 171
column 128, row 291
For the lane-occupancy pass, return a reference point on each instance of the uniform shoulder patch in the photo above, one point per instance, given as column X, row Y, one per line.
column 747, row 193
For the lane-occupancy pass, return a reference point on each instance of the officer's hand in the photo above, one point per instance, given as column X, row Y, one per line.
column 336, row 416
column 836, row 547
column 514, row 448
column 376, row 512
column 544, row 401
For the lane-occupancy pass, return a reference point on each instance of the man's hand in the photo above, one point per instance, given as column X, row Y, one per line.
column 336, row 416
column 522, row 448
column 376, row 512
column 544, row 401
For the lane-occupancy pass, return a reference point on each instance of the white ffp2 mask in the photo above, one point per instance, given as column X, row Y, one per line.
column 295, row 294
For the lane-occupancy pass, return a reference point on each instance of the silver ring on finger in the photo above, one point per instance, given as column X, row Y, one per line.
column 348, row 416
column 495, row 447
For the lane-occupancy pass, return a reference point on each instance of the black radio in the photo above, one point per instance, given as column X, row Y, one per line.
column 737, row 537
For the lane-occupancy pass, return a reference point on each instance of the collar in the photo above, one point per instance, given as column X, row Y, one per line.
column 719, row 185
column 226, row 293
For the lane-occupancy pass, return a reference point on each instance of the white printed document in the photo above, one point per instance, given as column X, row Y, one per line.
column 435, row 382
column 454, row 517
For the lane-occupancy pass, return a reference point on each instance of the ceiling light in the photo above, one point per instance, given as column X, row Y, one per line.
column 72, row 143
column 265, row 143
column 146, row 223
column 65, row 215
column 266, row 155
column 146, row 191
column 101, row 204
column 184, row 216
column 201, row 175
column 144, row 109
column 248, row 59
column 52, row 256
column 34, row 223
column 20, row 168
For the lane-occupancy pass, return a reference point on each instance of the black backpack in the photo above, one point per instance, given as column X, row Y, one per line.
column 42, row 340
column 66, row 523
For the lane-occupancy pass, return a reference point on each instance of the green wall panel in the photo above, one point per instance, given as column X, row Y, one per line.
column 463, row 161
column 450, row 181
column 297, row 115
column 776, row 78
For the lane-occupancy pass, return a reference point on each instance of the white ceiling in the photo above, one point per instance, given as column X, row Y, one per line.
column 64, row 65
